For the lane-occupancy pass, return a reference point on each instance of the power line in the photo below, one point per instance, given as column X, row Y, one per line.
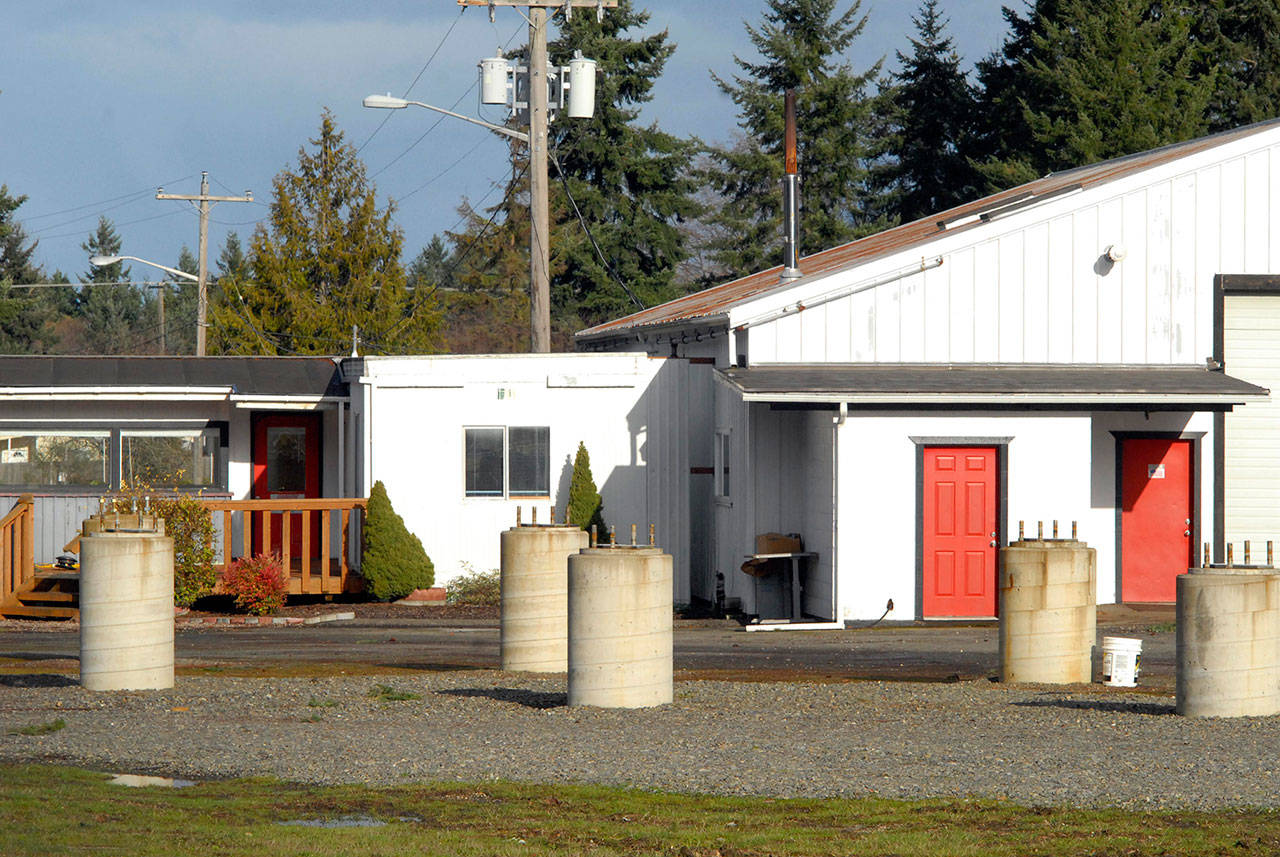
column 122, row 223
column 99, row 202
column 587, row 229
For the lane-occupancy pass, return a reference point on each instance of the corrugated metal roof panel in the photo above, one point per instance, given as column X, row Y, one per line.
column 717, row 300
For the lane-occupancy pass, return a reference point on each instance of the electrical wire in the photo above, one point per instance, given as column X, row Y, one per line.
column 587, row 229
column 122, row 223
column 147, row 190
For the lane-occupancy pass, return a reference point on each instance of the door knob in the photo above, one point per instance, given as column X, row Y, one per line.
column 993, row 542
column 1186, row 532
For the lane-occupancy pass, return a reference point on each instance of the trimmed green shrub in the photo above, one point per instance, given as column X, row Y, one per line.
column 393, row 561
column 259, row 583
column 189, row 524
column 585, row 506
column 475, row 588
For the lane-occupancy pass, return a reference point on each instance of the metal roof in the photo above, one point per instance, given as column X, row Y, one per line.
column 991, row 384
column 244, row 376
column 714, row 303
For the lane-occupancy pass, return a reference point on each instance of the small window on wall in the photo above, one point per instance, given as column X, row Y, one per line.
column 170, row 458
column 722, row 459
column 508, row 462
column 56, row 458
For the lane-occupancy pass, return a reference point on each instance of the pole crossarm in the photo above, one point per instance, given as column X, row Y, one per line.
column 197, row 197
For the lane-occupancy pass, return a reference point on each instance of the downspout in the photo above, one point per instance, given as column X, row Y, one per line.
column 841, row 416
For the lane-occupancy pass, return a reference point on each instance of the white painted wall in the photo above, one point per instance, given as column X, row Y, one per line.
column 1251, row 340
column 412, row 411
column 1060, row 465
column 1033, row 286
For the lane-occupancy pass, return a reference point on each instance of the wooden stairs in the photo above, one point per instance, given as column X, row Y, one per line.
column 53, row 593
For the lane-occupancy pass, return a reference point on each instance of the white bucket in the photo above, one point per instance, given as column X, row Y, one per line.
column 1121, row 661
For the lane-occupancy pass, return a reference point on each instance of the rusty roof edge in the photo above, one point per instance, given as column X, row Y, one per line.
column 657, row 328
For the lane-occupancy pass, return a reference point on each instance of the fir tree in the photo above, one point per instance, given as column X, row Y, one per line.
column 585, row 509
column 802, row 44
column 631, row 183
column 328, row 261
column 930, row 109
column 181, row 296
column 113, row 314
column 393, row 562
column 1085, row 80
column 23, row 313
column 1242, row 41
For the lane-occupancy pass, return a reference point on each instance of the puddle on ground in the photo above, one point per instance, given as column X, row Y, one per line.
column 340, row 821
column 140, row 781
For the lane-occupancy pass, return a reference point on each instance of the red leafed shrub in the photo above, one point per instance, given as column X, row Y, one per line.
column 259, row 584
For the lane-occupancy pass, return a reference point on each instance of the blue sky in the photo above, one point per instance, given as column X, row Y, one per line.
column 101, row 102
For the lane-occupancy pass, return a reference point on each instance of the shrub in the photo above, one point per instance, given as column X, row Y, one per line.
column 190, row 525
column 392, row 562
column 259, row 583
column 585, row 506
column 476, row 588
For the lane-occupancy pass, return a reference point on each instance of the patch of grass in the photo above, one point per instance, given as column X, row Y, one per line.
column 40, row 728
column 321, row 703
column 387, row 693
column 242, row 817
column 313, row 717
column 1162, row 628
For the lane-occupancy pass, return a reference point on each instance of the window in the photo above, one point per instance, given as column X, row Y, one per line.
column 722, row 464
column 166, row 458
column 57, row 458
column 90, row 459
column 508, row 462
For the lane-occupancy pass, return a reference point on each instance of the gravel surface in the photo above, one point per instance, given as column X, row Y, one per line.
column 1031, row 745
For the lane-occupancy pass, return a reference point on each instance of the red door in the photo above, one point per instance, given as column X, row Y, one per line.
column 1155, row 517
column 959, row 520
column 286, row 466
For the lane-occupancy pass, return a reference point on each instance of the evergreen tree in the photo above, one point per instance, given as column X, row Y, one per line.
column 180, row 310
column 1085, row 80
column 930, row 110
column 632, row 184
column 802, row 44
column 584, row 509
column 1242, row 41
column 328, row 261
column 432, row 267
column 393, row 562
column 113, row 314
column 23, row 312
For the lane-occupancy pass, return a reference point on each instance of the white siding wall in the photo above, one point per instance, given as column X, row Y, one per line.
column 1060, row 465
column 625, row 407
column 1251, row 340
column 1033, row 287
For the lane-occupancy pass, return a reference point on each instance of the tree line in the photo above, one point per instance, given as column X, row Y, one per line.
column 640, row 216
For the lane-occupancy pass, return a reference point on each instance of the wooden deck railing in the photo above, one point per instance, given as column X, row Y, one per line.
column 314, row 569
column 17, row 547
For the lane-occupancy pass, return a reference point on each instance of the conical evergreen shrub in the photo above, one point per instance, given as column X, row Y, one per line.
column 393, row 562
column 585, row 506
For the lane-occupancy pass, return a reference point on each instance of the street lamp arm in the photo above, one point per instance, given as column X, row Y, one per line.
column 103, row 261
column 390, row 102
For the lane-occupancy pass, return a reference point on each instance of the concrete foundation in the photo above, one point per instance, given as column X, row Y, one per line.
column 126, row 610
column 1228, row 648
column 1048, row 611
column 535, row 596
column 620, row 627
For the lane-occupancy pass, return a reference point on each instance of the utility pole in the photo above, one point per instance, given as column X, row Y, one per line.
column 202, row 298
column 539, row 219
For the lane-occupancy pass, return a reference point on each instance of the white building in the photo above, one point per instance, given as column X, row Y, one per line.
column 1051, row 352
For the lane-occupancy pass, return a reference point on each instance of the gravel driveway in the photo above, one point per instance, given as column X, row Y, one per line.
column 1032, row 745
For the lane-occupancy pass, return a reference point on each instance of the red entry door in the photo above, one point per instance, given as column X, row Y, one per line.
column 286, row 466
column 1155, row 517
column 959, row 520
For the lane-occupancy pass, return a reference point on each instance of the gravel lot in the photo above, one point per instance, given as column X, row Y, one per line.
column 1032, row 745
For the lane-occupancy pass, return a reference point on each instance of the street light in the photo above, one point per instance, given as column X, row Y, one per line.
column 103, row 261
column 390, row 102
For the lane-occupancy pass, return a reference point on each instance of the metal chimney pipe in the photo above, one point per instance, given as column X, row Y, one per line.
column 790, row 197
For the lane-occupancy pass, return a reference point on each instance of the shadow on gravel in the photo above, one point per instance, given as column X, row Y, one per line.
column 38, row 656
column 527, row 698
column 38, row 680
column 1147, row 708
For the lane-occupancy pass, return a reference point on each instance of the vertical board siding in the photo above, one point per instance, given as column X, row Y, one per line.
column 1042, row 291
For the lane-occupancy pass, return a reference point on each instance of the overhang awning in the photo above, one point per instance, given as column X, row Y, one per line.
column 993, row 384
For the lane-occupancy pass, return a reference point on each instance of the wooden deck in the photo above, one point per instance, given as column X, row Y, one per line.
column 317, row 558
